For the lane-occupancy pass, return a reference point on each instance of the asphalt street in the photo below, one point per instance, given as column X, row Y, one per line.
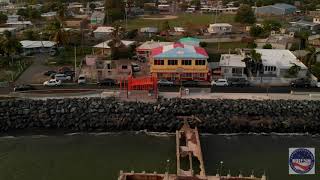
column 207, row 89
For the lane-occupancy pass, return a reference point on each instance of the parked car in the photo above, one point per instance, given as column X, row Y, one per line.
column 164, row 82
column 64, row 69
column 62, row 77
column 23, row 87
column 301, row 83
column 49, row 73
column 70, row 73
column 52, row 82
column 107, row 82
column 190, row 83
column 135, row 67
column 82, row 79
column 220, row 82
column 318, row 84
column 240, row 83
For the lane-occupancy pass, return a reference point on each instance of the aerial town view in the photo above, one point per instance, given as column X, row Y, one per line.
column 159, row 89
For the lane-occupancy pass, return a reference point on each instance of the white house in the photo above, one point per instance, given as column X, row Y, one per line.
column 276, row 62
column 30, row 47
column 104, row 49
column 102, row 32
column 232, row 66
column 220, row 28
column 19, row 24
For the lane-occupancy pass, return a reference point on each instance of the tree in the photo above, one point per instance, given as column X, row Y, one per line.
column 57, row 32
column 267, row 46
column 118, row 49
column 165, row 28
column 30, row 34
column 115, row 9
column 303, row 36
column 196, row 3
column 293, row 70
column 311, row 57
column 253, row 62
column 9, row 45
column 271, row 25
column 256, row 31
column 3, row 18
column 92, row 6
column 245, row 15
column 315, row 69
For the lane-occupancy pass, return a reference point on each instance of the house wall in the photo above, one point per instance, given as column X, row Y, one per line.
column 227, row 72
column 179, row 71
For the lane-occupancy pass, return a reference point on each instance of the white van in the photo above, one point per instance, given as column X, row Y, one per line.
column 62, row 77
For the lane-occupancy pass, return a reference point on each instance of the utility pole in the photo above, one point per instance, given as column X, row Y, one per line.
column 75, row 62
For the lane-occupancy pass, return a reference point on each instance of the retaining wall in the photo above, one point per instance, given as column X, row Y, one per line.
column 217, row 116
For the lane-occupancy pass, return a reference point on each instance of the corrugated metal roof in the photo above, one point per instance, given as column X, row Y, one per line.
column 37, row 44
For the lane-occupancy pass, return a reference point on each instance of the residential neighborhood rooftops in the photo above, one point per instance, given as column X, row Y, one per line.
column 149, row 30
column 19, row 23
column 104, row 29
column 37, row 44
column 221, row 25
column 179, row 50
column 104, row 45
column 148, row 45
column 304, row 23
column 283, row 6
column 283, row 59
column 232, row 60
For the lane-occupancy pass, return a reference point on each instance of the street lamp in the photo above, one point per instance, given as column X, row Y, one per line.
column 168, row 165
column 221, row 164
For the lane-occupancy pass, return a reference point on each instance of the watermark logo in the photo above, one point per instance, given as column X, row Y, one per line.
column 301, row 161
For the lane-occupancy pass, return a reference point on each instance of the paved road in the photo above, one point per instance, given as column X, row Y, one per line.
column 38, row 66
column 206, row 89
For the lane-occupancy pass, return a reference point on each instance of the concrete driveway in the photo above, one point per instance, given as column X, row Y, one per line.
column 34, row 74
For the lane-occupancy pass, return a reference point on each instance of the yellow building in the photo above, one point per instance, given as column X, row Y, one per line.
column 179, row 62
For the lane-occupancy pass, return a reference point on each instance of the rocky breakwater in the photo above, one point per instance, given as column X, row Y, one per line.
column 217, row 116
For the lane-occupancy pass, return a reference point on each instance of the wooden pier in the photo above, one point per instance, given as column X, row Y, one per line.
column 187, row 147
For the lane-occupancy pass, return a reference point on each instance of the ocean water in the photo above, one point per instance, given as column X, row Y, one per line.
column 101, row 156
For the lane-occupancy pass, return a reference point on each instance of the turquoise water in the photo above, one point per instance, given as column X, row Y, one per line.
column 101, row 157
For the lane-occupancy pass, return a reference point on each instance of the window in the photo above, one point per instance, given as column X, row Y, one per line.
column 270, row 68
column 186, row 62
column 200, row 62
column 236, row 70
column 158, row 62
column 124, row 67
column 172, row 62
column 186, row 75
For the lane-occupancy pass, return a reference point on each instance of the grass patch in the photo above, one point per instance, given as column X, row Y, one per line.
column 225, row 47
column 66, row 56
column 10, row 71
column 196, row 19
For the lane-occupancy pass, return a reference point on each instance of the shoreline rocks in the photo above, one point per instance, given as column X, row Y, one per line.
column 217, row 116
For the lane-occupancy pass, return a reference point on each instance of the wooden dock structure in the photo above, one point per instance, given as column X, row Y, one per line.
column 187, row 147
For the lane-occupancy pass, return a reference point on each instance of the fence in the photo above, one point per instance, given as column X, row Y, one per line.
column 275, row 81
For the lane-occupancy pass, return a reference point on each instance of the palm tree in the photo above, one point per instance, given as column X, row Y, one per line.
column 115, row 43
column 311, row 57
column 9, row 45
column 57, row 32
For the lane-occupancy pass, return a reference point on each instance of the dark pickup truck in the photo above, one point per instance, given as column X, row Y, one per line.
column 240, row 83
column 301, row 83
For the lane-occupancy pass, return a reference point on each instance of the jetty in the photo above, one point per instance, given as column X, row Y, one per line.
column 188, row 149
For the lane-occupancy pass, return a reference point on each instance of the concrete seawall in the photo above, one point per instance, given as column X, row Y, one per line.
column 108, row 114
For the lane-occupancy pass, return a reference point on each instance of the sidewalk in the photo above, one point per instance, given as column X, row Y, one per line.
column 253, row 96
